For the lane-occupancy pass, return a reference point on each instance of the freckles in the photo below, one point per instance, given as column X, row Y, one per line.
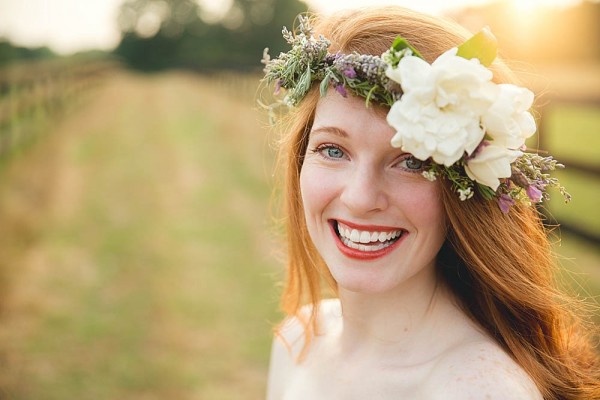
column 317, row 186
column 423, row 198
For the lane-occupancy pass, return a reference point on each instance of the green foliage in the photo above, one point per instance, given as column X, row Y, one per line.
column 10, row 53
column 185, row 40
column 401, row 44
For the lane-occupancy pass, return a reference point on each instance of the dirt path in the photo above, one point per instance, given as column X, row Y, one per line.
column 135, row 257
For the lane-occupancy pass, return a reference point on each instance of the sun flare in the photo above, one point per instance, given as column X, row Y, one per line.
column 530, row 6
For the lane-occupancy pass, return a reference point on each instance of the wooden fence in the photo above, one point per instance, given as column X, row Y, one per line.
column 589, row 167
column 30, row 92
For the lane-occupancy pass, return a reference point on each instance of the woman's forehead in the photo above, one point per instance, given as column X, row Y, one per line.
column 335, row 108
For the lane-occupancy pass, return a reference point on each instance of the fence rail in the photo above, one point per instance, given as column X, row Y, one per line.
column 590, row 167
column 32, row 91
column 591, row 102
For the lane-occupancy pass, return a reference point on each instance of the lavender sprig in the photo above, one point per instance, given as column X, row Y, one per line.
column 530, row 179
column 309, row 61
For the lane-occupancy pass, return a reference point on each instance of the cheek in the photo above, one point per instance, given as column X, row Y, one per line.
column 318, row 187
column 425, row 203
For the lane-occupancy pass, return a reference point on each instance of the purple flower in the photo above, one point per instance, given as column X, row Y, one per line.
column 277, row 87
column 534, row 193
column 505, row 202
column 341, row 90
column 349, row 72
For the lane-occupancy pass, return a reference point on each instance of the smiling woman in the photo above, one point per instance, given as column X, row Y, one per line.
column 417, row 212
column 355, row 189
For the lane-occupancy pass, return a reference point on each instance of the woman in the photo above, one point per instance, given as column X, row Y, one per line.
column 439, row 267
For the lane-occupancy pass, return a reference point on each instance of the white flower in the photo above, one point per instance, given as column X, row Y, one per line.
column 490, row 163
column 508, row 120
column 429, row 175
column 465, row 194
column 439, row 113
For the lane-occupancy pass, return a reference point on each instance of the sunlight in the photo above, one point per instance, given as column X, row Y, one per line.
column 428, row 6
column 527, row 7
column 526, row 19
column 212, row 11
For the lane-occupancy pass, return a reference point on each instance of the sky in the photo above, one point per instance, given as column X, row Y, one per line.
column 68, row 26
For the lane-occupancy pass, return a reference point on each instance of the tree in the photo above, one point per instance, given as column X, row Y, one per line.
column 159, row 34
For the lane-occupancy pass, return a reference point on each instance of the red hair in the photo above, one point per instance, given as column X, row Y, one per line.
column 500, row 267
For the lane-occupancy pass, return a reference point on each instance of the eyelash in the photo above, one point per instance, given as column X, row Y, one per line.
column 327, row 146
column 409, row 157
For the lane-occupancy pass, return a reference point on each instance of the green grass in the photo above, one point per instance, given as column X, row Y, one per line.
column 149, row 272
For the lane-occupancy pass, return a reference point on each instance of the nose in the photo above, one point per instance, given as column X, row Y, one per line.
column 364, row 192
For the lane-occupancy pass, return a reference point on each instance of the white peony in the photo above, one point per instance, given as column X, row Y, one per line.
column 440, row 111
column 490, row 163
column 508, row 120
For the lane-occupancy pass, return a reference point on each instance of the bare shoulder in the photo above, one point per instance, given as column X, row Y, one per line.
column 289, row 342
column 480, row 370
column 291, row 334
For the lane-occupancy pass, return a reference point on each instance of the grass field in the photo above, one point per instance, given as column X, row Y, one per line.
column 138, row 260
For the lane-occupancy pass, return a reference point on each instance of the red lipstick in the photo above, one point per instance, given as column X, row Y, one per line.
column 360, row 254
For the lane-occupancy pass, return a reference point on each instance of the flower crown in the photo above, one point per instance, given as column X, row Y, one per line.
column 450, row 113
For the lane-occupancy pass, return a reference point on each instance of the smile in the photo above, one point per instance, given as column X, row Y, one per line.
column 364, row 242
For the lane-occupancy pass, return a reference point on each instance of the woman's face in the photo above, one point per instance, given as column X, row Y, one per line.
column 375, row 220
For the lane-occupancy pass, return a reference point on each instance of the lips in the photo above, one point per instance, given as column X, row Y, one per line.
column 365, row 242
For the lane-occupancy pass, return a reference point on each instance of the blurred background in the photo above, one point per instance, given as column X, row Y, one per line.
column 138, row 254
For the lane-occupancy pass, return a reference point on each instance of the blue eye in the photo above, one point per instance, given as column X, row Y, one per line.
column 334, row 152
column 412, row 164
column 330, row 151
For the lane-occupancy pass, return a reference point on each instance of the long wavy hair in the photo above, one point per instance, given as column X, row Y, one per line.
column 499, row 266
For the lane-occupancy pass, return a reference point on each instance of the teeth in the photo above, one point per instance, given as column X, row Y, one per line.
column 362, row 247
column 359, row 238
column 365, row 237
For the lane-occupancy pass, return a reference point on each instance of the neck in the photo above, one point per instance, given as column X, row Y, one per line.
column 407, row 319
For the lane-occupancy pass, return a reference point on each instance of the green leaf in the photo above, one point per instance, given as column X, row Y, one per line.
column 482, row 46
column 368, row 97
column 325, row 84
column 303, row 83
column 487, row 192
column 400, row 44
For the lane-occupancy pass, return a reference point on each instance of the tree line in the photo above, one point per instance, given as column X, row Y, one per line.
column 161, row 34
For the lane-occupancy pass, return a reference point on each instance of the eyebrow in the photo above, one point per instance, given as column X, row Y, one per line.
column 330, row 129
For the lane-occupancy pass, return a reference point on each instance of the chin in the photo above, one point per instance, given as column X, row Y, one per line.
column 364, row 282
